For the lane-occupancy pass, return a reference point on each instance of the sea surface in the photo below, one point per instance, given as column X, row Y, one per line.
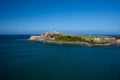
column 21, row 59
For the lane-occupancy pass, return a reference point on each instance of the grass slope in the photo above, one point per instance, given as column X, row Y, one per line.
column 77, row 38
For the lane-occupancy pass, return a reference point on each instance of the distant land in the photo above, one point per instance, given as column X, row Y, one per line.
column 91, row 40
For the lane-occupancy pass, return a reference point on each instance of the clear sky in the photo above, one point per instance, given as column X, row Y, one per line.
column 72, row 16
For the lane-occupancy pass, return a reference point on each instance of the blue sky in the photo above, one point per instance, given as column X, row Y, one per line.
column 70, row 16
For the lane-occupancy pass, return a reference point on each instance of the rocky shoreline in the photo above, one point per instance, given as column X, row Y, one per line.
column 59, row 38
column 76, row 43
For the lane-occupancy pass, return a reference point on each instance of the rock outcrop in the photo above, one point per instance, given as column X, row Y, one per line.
column 44, row 36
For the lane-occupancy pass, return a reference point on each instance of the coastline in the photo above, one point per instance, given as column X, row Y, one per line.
column 78, row 43
column 60, row 38
column 73, row 43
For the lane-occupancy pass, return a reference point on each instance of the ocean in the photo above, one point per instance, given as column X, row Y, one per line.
column 21, row 59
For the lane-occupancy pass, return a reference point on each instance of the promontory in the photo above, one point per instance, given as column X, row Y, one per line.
column 60, row 38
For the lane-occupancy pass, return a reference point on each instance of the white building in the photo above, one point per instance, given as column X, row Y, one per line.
column 97, row 40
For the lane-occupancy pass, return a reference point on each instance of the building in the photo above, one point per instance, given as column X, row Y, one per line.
column 97, row 40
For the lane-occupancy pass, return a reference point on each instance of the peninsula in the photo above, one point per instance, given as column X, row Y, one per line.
column 60, row 38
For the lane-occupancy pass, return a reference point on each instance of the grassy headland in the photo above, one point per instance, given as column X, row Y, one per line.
column 56, row 37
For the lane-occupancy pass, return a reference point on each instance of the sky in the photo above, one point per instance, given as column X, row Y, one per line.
column 69, row 16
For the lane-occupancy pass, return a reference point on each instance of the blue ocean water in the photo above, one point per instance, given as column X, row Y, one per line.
column 21, row 59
